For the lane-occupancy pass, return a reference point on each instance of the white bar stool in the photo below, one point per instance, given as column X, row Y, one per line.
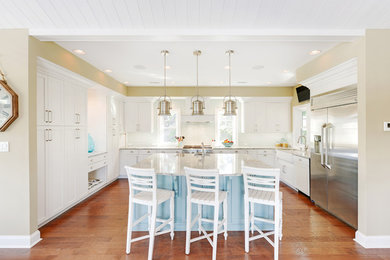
column 144, row 181
column 203, row 189
column 262, row 187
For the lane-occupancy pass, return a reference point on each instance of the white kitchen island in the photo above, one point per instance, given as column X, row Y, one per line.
column 228, row 164
column 169, row 168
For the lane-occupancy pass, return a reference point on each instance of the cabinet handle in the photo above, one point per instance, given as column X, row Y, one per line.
column 46, row 135
column 50, row 117
column 46, row 115
column 49, row 135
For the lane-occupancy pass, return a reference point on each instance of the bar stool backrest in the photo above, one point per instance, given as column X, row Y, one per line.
column 262, row 179
column 204, row 180
column 141, row 180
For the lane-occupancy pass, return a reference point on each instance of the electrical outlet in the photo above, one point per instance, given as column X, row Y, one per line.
column 4, row 147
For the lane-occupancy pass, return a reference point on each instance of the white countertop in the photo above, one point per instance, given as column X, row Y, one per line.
column 173, row 164
column 214, row 148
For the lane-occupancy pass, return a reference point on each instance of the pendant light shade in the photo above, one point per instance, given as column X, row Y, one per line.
column 197, row 101
column 229, row 102
column 164, row 104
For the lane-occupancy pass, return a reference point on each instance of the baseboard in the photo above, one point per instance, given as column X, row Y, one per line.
column 20, row 241
column 372, row 241
column 122, row 177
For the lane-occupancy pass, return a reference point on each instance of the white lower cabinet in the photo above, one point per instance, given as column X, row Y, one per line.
column 287, row 173
column 302, row 173
column 75, row 177
column 50, row 171
column 294, row 171
column 62, row 169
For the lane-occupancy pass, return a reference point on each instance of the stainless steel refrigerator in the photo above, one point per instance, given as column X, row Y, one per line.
column 334, row 153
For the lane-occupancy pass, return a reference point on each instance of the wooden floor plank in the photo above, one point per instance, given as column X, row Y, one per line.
column 96, row 229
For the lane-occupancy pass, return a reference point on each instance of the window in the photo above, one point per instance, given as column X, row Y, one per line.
column 169, row 128
column 226, row 127
column 303, row 130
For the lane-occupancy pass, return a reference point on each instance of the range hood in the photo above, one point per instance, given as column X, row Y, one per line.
column 204, row 119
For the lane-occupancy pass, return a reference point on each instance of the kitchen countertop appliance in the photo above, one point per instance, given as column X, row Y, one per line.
column 334, row 153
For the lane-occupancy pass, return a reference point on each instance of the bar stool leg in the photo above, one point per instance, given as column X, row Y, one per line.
column 252, row 217
column 200, row 217
column 149, row 217
column 188, row 226
column 152, row 232
column 281, row 220
column 172, row 224
column 225, row 211
column 246, row 213
column 129, row 227
column 276, row 234
column 215, row 234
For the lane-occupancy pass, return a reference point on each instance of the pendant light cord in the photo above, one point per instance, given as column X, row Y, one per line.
column 230, row 75
column 165, row 75
column 197, row 75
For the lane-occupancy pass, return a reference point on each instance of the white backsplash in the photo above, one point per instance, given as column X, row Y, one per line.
column 195, row 133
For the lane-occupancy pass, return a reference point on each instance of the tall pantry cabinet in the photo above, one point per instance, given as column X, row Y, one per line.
column 61, row 142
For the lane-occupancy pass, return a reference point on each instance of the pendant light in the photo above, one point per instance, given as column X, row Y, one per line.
column 164, row 105
column 197, row 101
column 230, row 105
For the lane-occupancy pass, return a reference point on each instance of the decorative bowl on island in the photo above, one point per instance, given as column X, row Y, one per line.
column 227, row 143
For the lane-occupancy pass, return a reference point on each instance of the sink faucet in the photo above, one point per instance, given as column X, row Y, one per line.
column 203, row 149
column 304, row 138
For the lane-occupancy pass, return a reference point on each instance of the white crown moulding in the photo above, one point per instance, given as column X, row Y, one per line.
column 195, row 35
column 342, row 75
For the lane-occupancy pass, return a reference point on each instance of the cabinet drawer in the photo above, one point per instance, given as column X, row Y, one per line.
column 97, row 158
column 145, row 152
column 97, row 165
column 130, row 152
column 304, row 162
column 285, row 156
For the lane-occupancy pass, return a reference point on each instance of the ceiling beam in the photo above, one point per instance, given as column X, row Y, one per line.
column 204, row 35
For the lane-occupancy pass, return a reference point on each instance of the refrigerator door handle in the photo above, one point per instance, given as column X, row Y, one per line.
column 328, row 142
column 323, row 131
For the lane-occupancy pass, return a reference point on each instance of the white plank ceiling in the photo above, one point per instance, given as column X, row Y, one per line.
column 126, row 36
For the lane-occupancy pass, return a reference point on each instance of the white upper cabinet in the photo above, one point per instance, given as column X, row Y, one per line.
column 138, row 116
column 254, row 117
column 75, row 98
column 49, row 100
column 267, row 116
column 278, row 116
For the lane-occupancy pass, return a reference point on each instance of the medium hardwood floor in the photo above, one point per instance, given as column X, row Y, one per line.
column 96, row 229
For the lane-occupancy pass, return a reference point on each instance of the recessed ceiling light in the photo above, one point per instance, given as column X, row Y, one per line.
column 286, row 71
column 315, row 52
column 125, row 82
column 221, row 82
column 226, row 67
column 168, row 67
column 268, row 82
column 241, row 82
column 154, row 82
column 173, row 82
column 139, row 67
column 79, row 51
column 258, row 67
column 107, row 71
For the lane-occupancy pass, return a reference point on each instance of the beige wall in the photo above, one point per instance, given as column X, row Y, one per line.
column 58, row 55
column 373, row 100
column 335, row 56
column 15, row 165
column 374, row 154
column 18, row 60
column 211, row 91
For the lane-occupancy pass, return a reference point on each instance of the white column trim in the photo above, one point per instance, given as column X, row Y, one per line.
column 372, row 241
column 20, row 241
column 342, row 75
